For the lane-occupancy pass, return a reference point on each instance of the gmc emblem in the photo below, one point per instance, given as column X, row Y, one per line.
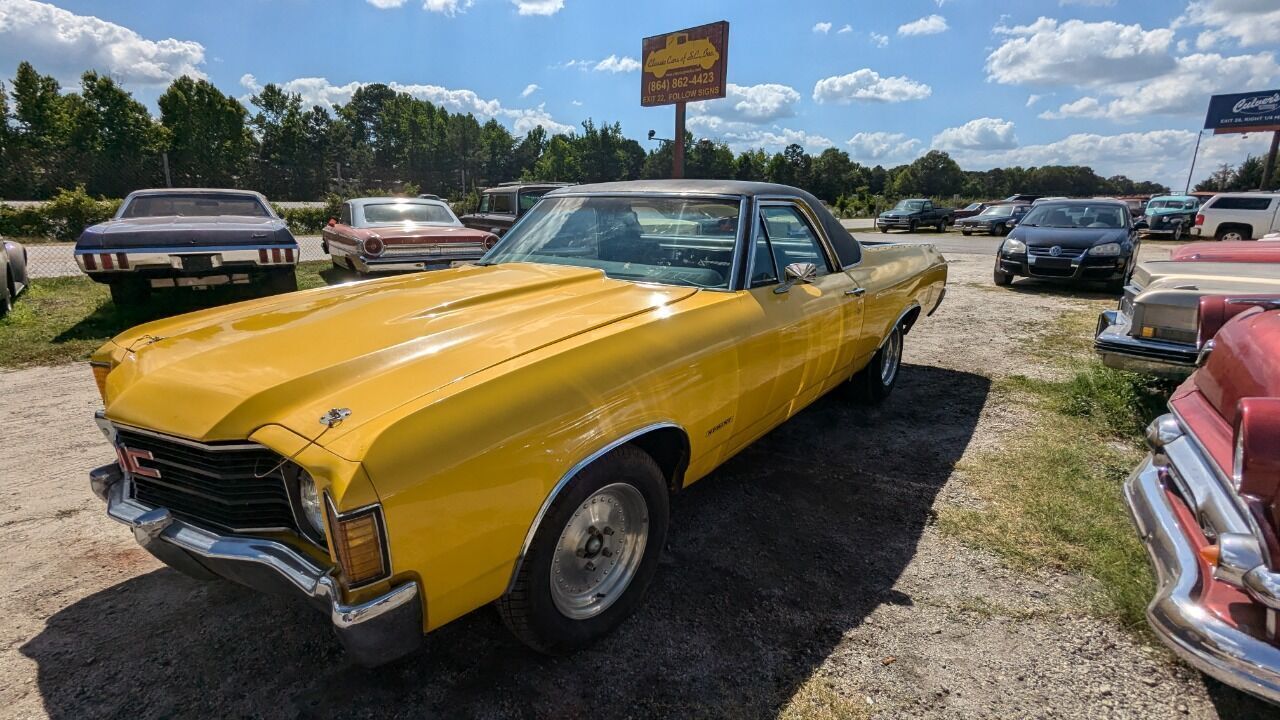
column 129, row 462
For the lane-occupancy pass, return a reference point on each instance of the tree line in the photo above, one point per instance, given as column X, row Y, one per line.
column 104, row 140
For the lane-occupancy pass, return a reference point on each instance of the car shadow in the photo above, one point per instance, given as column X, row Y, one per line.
column 109, row 319
column 1237, row 704
column 1064, row 288
column 770, row 561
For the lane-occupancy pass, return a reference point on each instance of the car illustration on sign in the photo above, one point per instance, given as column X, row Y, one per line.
column 681, row 53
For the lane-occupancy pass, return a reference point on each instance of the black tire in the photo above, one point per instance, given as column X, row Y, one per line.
column 1233, row 232
column 6, row 296
column 1000, row 229
column 870, row 386
column 942, row 226
column 1177, row 232
column 911, row 226
column 884, row 229
column 966, row 233
column 282, row 281
column 130, row 291
column 1000, row 277
column 530, row 610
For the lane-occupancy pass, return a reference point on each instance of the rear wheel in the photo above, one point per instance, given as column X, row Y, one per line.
column 282, row 281
column 6, row 295
column 873, row 383
column 966, row 233
column 1232, row 233
column 593, row 555
column 130, row 291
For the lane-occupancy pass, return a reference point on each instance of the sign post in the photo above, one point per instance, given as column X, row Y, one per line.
column 1245, row 113
column 683, row 67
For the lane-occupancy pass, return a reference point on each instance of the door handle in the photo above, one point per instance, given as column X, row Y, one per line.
column 856, row 292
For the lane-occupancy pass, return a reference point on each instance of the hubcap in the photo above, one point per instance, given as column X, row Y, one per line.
column 599, row 551
column 892, row 357
column 1232, row 237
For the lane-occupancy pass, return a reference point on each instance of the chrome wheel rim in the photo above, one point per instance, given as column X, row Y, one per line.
column 599, row 551
column 1232, row 237
column 892, row 357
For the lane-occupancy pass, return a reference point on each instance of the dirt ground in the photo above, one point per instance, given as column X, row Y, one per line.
column 807, row 572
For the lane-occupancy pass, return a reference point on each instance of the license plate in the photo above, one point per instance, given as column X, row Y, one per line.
column 197, row 263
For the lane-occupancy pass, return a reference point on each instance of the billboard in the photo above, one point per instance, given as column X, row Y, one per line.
column 1244, row 112
column 684, row 66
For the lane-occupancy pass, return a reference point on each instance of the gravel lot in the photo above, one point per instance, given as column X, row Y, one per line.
column 808, row 567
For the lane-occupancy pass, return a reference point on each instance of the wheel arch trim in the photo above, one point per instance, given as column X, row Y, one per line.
column 564, row 482
column 913, row 306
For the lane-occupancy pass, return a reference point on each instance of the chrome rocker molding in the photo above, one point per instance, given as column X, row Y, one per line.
column 564, row 480
column 1122, row 351
column 1209, row 644
column 376, row 632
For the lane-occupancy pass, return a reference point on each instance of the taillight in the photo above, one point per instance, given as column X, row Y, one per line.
column 490, row 241
column 373, row 245
column 1199, row 218
column 1255, row 465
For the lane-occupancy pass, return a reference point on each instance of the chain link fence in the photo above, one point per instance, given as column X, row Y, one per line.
column 50, row 260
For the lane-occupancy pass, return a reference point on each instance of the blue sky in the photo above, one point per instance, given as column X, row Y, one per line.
column 1121, row 85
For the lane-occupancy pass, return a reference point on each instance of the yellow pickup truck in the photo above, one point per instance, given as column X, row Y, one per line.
column 405, row 450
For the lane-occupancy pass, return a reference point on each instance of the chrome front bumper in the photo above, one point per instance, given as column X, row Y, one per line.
column 374, row 632
column 1176, row 614
column 1122, row 351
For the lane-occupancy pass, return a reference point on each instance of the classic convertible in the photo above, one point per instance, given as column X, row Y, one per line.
column 402, row 451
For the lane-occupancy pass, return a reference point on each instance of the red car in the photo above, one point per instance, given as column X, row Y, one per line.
column 1239, row 251
column 1206, row 501
column 397, row 234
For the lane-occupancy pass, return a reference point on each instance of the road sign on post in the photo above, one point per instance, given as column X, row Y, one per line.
column 682, row 67
column 1245, row 113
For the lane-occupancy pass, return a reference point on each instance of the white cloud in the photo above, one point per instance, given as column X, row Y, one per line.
column 530, row 89
column 387, row 4
column 1197, row 75
column 879, row 40
column 319, row 91
column 615, row 64
column 1074, row 52
column 822, row 27
column 883, row 148
column 740, row 136
column 63, row 44
column 446, row 7
column 538, row 7
column 1249, row 22
column 928, row 25
column 1088, row 3
column 1160, row 155
column 846, row 28
column 867, row 85
column 1032, row 99
column 984, row 133
column 756, row 104
column 576, row 103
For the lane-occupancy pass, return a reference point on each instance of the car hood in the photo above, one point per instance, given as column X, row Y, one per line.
column 368, row 346
column 1071, row 238
column 1228, row 251
column 176, row 230
column 986, row 219
column 900, row 213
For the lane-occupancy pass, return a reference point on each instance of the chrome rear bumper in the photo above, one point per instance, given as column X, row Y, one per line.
column 1176, row 614
column 374, row 632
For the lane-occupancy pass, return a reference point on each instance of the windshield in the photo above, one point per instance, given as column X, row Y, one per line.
column 529, row 198
column 412, row 213
column 668, row 240
column 998, row 210
column 910, row 205
column 973, row 206
column 1171, row 204
column 194, row 205
column 1081, row 215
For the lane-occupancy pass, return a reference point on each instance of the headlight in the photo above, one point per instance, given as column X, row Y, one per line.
column 1012, row 246
column 311, row 502
column 1105, row 249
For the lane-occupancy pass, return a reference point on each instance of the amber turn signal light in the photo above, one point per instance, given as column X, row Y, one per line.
column 358, row 541
column 100, row 372
column 1211, row 554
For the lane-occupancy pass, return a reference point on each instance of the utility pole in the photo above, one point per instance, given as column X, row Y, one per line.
column 1269, row 168
column 677, row 149
column 168, row 182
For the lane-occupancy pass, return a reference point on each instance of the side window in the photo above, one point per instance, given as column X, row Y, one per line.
column 791, row 238
column 344, row 216
column 927, row 206
column 484, row 203
column 1241, row 203
column 503, row 203
column 763, row 271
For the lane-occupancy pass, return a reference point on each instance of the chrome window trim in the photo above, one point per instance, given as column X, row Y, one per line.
column 564, row 481
column 815, row 224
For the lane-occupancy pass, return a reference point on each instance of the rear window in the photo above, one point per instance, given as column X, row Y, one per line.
column 1241, row 203
column 194, row 205
column 396, row 213
column 502, row 203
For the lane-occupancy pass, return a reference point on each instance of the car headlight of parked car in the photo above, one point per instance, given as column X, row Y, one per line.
column 311, row 502
column 1105, row 250
column 1013, row 246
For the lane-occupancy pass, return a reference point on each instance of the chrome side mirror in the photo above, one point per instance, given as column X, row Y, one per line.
column 803, row 272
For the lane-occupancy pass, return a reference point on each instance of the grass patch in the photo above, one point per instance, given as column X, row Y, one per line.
column 817, row 699
column 61, row 320
column 1053, row 494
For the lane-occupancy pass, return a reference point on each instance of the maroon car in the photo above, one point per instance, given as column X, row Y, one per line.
column 1206, row 501
column 1227, row 251
column 397, row 234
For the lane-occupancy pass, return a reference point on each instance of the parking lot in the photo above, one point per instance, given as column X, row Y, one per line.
column 807, row 576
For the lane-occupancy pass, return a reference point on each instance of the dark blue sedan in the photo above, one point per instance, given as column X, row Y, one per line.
column 1080, row 240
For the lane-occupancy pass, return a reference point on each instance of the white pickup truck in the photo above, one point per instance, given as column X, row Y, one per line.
column 1238, row 216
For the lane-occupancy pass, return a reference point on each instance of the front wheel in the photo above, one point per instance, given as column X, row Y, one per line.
column 592, row 556
column 1000, row 277
column 1000, row 230
column 1177, row 232
column 911, row 227
column 873, row 383
column 884, row 229
column 965, row 233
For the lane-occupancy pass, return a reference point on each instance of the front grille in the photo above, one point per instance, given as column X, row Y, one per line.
column 213, row 484
column 1065, row 253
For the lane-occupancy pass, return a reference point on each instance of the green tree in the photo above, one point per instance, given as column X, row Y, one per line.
column 933, row 174
column 209, row 142
column 40, row 135
column 528, row 150
column 752, row 165
column 116, row 138
column 558, row 161
column 708, row 159
column 834, row 174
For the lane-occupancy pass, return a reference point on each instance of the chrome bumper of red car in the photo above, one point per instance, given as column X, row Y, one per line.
column 1176, row 614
